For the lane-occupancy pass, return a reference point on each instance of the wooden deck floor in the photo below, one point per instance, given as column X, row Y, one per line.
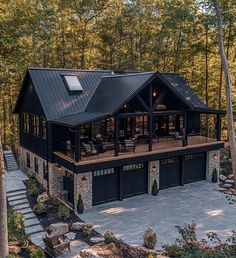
column 161, row 145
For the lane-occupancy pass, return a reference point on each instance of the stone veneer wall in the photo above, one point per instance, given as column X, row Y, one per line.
column 212, row 162
column 55, row 179
column 30, row 171
column 153, row 173
column 83, row 185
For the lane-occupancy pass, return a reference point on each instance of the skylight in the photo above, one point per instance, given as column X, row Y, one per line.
column 73, row 83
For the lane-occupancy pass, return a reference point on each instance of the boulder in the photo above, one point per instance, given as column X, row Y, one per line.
column 222, row 178
column 43, row 197
column 109, row 234
column 227, row 186
column 58, row 229
column 231, row 176
column 229, row 181
column 101, row 251
column 95, row 240
column 149, row 238
column 85, row 227
column 70, row 235
column 14, row 249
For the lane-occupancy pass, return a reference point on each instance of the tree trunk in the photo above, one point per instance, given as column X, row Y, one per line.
column 228, row 90
column 3, row 209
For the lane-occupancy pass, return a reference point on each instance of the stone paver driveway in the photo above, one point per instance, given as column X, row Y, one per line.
column 199, row 202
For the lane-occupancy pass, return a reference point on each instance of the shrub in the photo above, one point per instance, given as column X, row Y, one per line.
column 16, row 229
column 111, row 238
column 214, row 178
column 154, row 188
column 80, row 205
column 37, row 253
column 63, row 212
column 33, row 187
column 40, row 208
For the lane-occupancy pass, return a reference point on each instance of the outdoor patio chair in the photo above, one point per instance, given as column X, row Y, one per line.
column 89, row 149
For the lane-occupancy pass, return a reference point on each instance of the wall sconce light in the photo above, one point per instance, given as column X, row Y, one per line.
column 125, row 106
column 154, row 168
column 60, row 169
column 215, row 156
column 84, row 178
column 154, row 93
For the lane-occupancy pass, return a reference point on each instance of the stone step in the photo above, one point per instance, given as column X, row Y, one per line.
column 30, row 215
column 16, row 197
column 16, row 192
column 34, row 229
column 18, row 202
column 31, row 222
column 26, row 211
column 22, row 206
column 37, row 238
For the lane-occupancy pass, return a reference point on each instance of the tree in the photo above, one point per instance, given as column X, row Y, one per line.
column 3, row 209
column 228, row 88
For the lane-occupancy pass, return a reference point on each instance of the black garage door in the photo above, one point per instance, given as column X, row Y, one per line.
column 170, row 172
column 105, row 185
column 194, row 167
column 134, row 179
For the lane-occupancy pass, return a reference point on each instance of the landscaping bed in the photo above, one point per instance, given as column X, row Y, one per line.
column 53, row 211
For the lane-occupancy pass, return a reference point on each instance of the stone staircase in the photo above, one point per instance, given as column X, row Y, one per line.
column 10, row 161
column 16, row 197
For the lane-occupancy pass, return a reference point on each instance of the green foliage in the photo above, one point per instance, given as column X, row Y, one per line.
column 214, row 176
column 37, row 253
column 40, row 208
column 16, row 230
column 63, row 212
column 154, row 188
column 80, row 204
column 111, row 238
column 188, row 246
column 33, row 187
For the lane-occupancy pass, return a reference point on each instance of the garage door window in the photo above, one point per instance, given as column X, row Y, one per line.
column 133, row 166
column 169, row 161
column 193, row 156
column 103, row 172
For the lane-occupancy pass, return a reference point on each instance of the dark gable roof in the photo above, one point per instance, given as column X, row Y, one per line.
column 113, row 92
column 104, row 92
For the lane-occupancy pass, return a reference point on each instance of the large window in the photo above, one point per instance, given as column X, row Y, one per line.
column 43, row 127
column 25, row 118
column 35, row 125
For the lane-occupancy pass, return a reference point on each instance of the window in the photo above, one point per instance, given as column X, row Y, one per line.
column 73, row 83
column 133, row 166
column 36, row 165
column 28, row 160
column 45, row 171
column 43, row 127
column 104, row 172
column 35, row 125
column 25, row 122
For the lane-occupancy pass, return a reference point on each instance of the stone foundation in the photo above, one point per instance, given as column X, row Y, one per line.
column 212, row 162
column 83, row 185
column 31, row 171
column 55, row 178
column 153, row 174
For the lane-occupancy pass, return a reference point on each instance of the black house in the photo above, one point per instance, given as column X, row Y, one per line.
column 108, row 135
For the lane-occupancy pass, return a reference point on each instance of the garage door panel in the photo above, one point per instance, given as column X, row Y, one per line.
column 169, row 172
column 194, row 167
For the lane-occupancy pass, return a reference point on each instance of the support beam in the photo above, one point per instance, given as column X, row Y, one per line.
column 143, row 102
column 77, row 144
column 150, row 114
column 185, row 132
column 116, row 136
column 218, row 127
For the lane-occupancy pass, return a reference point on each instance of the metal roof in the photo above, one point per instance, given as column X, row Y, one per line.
column 113, row 92
column 79, row 118
column 56, row 100
column 104, row 92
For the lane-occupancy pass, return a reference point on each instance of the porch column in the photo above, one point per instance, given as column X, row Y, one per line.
column 77, row 144
column 218, row 127
column 185, row 132
column 116, row 136
column 150, row 113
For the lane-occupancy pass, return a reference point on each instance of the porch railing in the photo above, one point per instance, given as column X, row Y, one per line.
column 65, row 148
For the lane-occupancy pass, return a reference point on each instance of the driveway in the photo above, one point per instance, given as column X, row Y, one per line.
column 198, row 202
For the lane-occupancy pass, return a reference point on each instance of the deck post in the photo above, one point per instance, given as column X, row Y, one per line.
column 77, row 144
column 185, row 131
column 116, row 135
column 218, row 127
column 150, row 114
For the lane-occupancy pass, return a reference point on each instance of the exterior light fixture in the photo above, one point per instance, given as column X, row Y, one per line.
column 154, row 168
column 215, row 156
column 125, row 106
column 154, row 93
column 84, row 178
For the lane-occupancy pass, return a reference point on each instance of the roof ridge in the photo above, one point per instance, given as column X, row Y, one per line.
column 67, row 69
column 126, row 75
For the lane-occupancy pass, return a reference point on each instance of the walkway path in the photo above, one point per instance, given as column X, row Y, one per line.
column 16, row 196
